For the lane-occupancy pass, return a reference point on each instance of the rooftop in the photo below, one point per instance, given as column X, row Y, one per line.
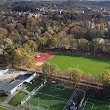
column 9, row 86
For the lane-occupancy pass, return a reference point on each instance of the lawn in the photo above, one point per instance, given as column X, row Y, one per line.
column 17, row 98
column 2, row 97
column 33, row 85
column 4, row 108
column 90, row 65
column 96, row 105
column 51, row 98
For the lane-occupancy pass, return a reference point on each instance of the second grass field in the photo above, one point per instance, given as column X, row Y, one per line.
column 90, row 65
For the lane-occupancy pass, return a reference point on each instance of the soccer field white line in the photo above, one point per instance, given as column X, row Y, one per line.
column 100, row 102
column 91, row 108
column 38, row 107
column 47, row 106
column 56, row 87
column 53, row 96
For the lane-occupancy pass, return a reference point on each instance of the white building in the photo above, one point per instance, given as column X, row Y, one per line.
column 11, row 87
column 3, row 71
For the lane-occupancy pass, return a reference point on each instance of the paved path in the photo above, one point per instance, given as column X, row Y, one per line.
column 10, row 97
column 5, row 102
column 11, row 107
column 26, row 91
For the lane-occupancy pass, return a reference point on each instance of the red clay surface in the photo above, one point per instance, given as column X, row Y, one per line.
column 43, row 58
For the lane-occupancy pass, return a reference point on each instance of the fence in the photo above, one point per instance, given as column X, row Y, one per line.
column 33, row 92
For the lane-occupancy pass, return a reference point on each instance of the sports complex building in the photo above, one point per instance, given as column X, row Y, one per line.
column 11, row 86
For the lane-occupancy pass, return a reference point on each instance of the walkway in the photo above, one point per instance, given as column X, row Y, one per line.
column 11, row 107
column 10, row 97
column 5, row 102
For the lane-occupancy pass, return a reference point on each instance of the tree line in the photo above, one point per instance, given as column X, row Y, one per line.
column 50, row 71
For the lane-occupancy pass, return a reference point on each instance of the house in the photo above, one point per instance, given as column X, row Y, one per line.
column 11, row 87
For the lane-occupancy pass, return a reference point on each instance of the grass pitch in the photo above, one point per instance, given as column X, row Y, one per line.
column 17, row 98
column 95, row 105
column 2, row 97
column 51, row 98
column 4, row 108
column 90, row 65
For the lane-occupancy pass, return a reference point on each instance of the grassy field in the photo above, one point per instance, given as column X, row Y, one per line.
column 4, row 108
column 2, row 97
column 17, row 98
column 90, row 65
column 95, row 105
column 51, row 98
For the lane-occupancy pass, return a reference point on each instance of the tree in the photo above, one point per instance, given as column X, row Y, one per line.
column 27, row 48
column 32, row 45
column 54, row 70
column 106, row 78
column 64, row 44
column 17, row 57
column 76, row 75
column 95, row 43
column 49, row 70
column 83, row 44
column 3, row 33
column 22, row 59
column 46, row 70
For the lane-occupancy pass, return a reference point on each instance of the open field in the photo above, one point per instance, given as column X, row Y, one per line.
column 51, row 98
column 92, row 104
column 90, row 65
column 17, row 98
column 4, row 108
column 2, row 97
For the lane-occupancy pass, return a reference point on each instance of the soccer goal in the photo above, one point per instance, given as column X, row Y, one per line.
column 39, row 106
column 88, row 105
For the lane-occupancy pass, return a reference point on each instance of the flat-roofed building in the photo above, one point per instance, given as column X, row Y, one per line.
column 11, row 87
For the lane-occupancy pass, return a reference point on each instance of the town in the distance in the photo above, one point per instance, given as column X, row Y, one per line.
column 54, row 55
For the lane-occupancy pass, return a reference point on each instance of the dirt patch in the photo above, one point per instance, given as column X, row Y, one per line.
column 40, row 58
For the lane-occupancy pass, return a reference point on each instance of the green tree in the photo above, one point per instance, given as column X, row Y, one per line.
column 32, row 45
column 50, row 70
column 27, row 48
column 95, row 43
column 106, row 78
column 22, row 59
column 46, row 70
column 83, row 44
column 76, row 75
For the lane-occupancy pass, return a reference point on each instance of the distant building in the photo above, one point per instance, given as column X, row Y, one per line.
column 3, row 71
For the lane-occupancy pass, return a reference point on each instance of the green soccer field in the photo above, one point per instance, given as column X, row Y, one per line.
column 51, row 98
column 95, row 105
column 4, row 108
column 90, row 65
